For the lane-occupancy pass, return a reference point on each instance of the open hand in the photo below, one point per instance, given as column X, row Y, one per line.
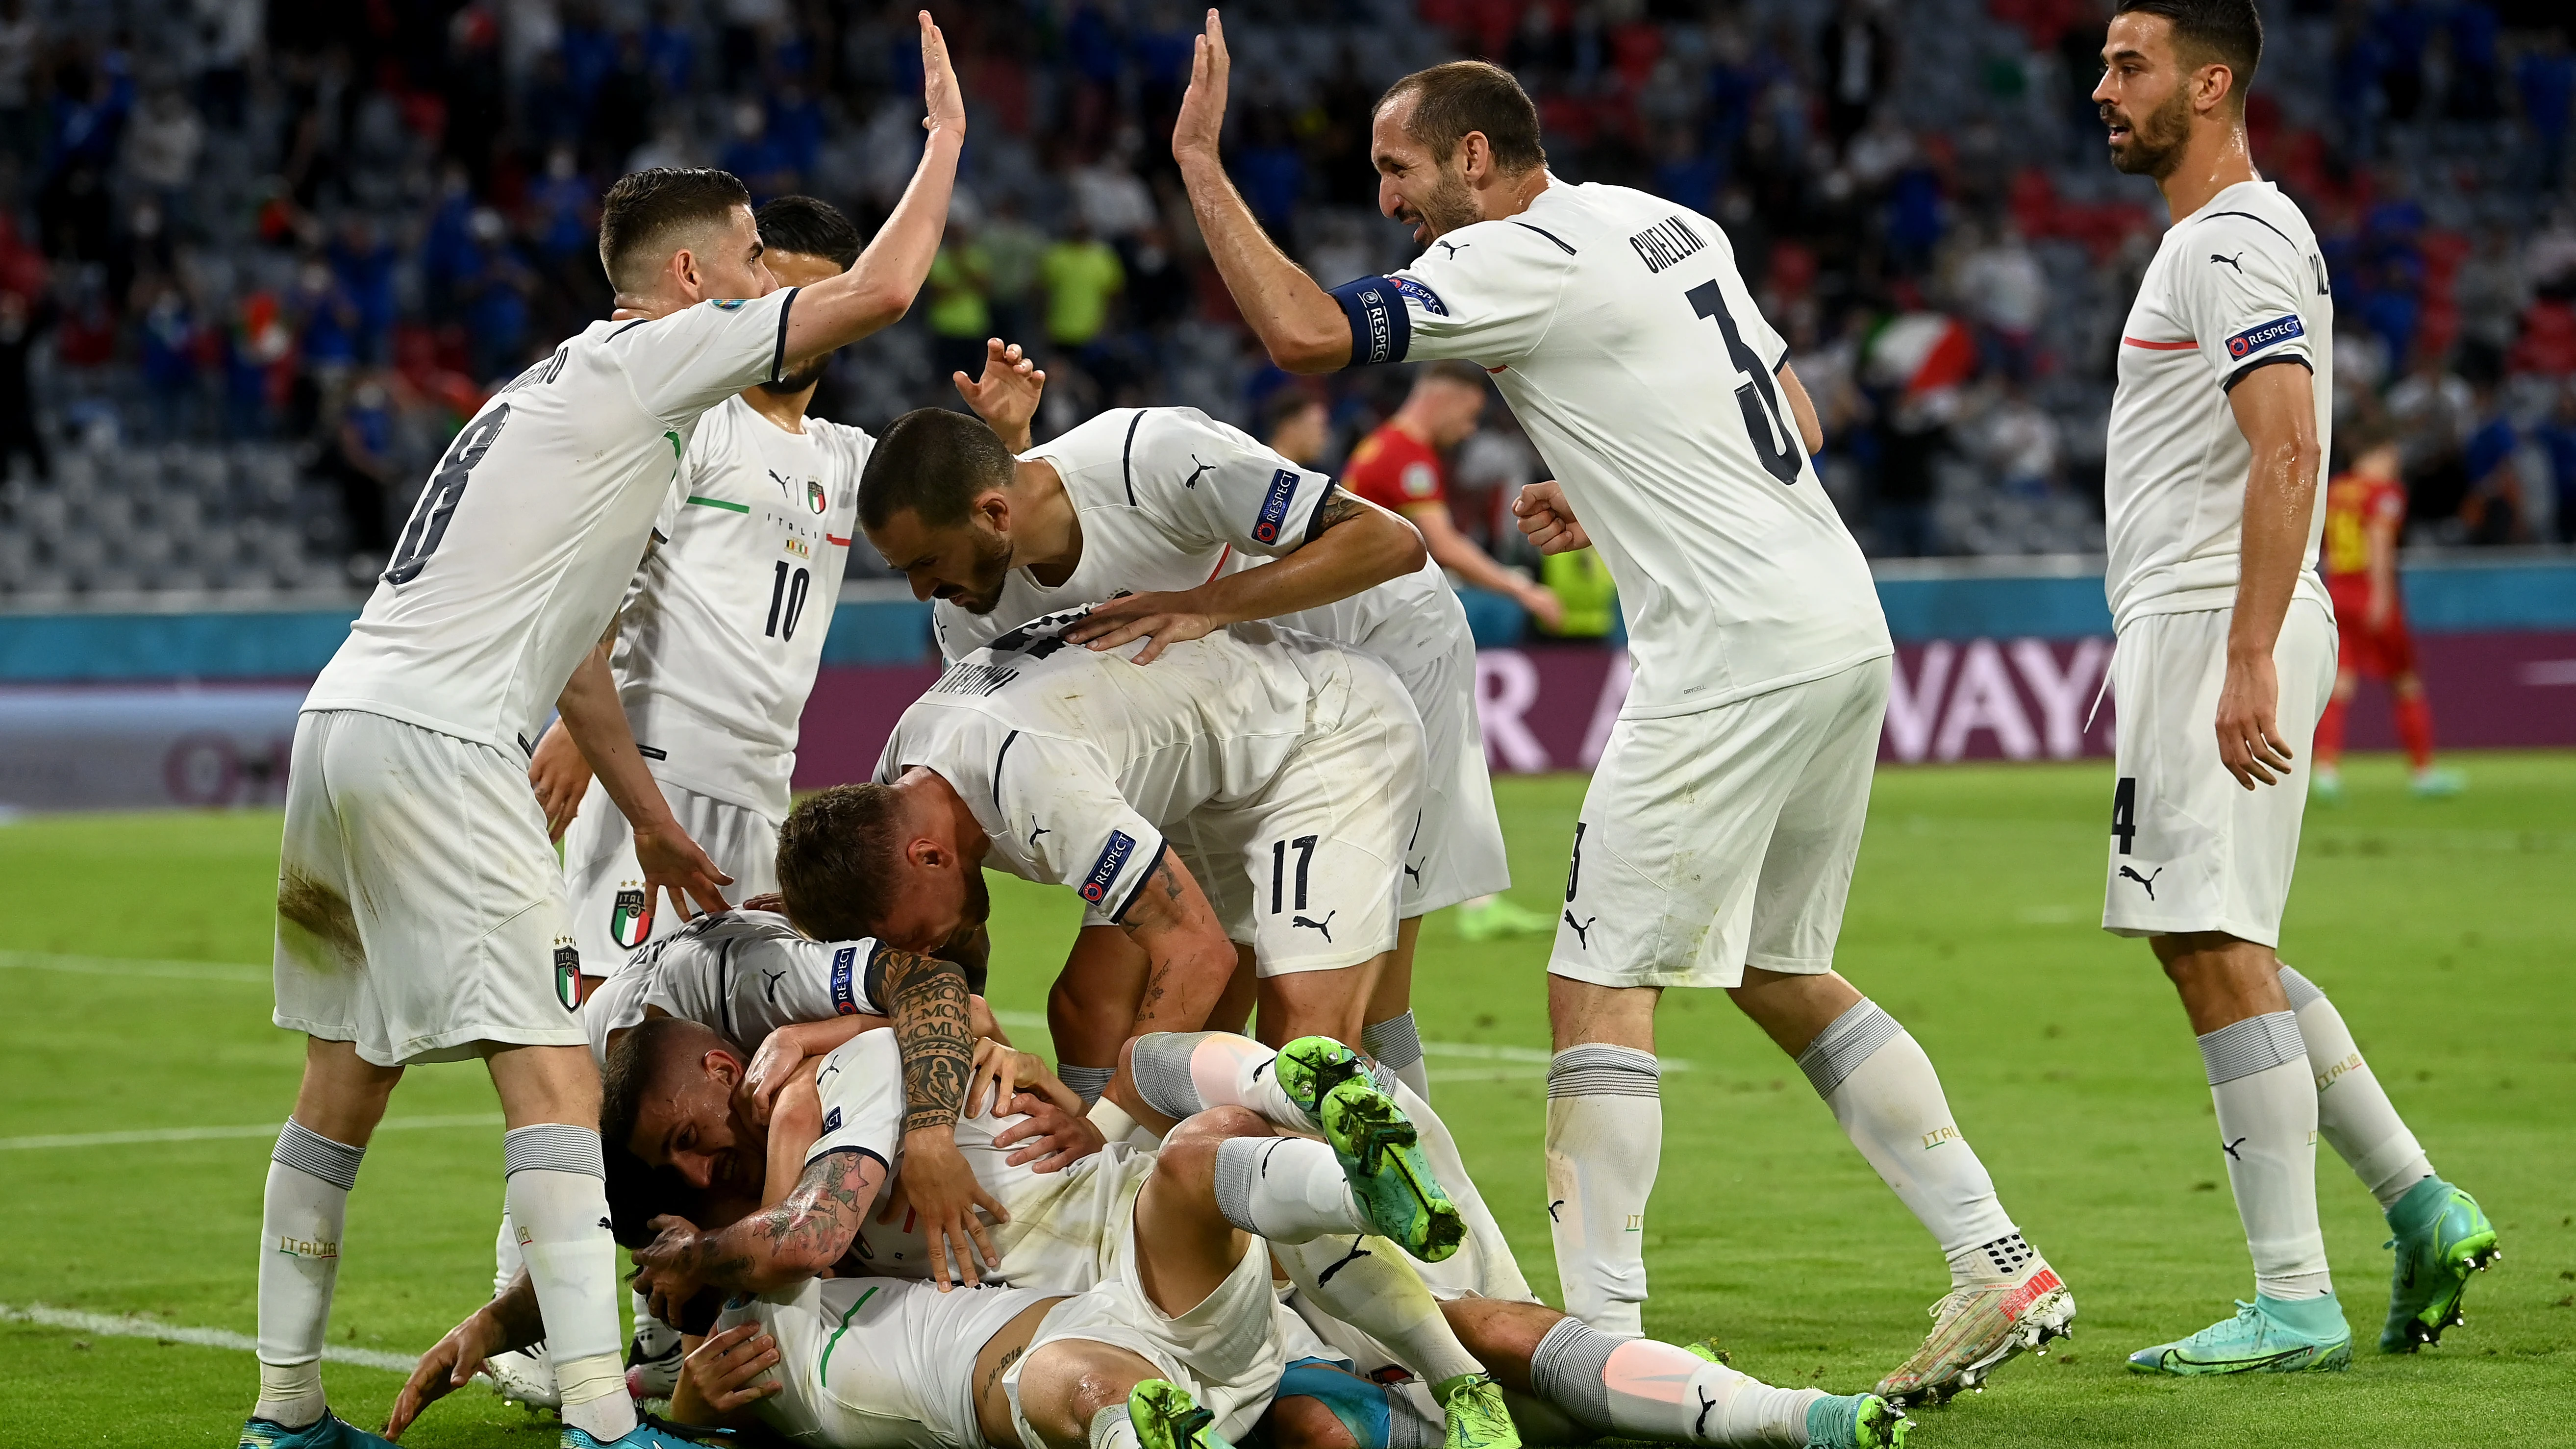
column 1200, row 126
column 449, row 1364
column 1006, row 396
column 1055, row 1135
column 942, row 1193
column 666, row 1269
column 560, row 776
column 1164, row 619
column 945, row 104
column 2250, row 743
column 1548, row 521
column 731, row 1369
column 673, row 865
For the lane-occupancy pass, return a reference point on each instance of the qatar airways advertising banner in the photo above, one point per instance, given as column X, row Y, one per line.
column 150, row 746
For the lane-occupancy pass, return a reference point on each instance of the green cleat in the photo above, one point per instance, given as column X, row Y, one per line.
column 1499, row 917
column 1166, row 1417
column 1855, row 1421
column 1477, row 1416
column 2259, row 1339
column 1707, row 1348
column 328, row 1432
column 2442, row 1236
column 1387, row 1173
column 1310, row 1067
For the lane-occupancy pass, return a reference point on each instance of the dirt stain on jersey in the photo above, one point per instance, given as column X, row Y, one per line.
column 314, row 923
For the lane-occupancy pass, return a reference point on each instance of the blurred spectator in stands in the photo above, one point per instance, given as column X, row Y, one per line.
column 21, row 133
column 22, row 323
column 960, row 312
column 1910, row 438
column 259, row 357
column 72, row 204
column 1270, row 170
column 2491, row 292
column 2471, row 27
column 2433, row 409
column 1399, row 468
column 2006, row 290
column 2492, row 509
column 359, row 462
column 2405, row 33
column 754, row 157
column 1296, row 425
column 328, row 344
column 2017, row 440
column 172, row 354
column 162, row 147
column 1855, row 60
column 2557, row 440
column 621, row 109
column 2545, row 81
column 1013, row 250
column 495, row 291
column 1082, row 276
column 1109, row 198
column 365, row 261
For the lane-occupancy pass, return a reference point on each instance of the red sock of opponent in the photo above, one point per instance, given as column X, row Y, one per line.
column 2415, row 728
column 2329, row 743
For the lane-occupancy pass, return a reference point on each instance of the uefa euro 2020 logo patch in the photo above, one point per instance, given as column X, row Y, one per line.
column 1113, row 859
column 2263, row 334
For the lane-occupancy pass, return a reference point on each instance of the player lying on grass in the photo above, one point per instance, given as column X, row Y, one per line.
column 421, row 911
column 1288, row 766
column 1171, row 508
column 2226, row 651
column 1719, row 832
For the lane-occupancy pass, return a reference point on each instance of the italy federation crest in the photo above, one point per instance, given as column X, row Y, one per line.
column 571, row 987
column 630, row 919
column 814, row 495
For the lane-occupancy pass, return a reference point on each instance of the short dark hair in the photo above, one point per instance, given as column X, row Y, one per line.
column 934, row 462
column 638, row 1065
column 641, row 219
column 2227, row 31
column 1283, row 405
column 1471, row 95
column 808, row 226
column 839, row 855
column 1450, row 369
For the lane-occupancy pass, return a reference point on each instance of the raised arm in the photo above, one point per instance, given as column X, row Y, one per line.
column 1297, row 320
column 2276, row 409
column 879, row 288
column 672, row 863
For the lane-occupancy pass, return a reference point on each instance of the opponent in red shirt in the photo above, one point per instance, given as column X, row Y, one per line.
column 1398, row 467
column 2365, row 510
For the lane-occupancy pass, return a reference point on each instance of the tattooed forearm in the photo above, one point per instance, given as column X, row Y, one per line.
column 1340, row 508
column 804, row 1234
column 927, row 998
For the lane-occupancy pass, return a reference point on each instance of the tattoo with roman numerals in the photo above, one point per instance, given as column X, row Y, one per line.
column 926, row 997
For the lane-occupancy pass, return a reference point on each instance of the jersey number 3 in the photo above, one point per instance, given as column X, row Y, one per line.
column 1772, row 440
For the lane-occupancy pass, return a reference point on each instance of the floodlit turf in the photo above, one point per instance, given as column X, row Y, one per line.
column 2443, row 930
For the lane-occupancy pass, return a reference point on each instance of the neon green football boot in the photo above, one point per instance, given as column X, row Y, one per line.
column 2441, row 1237
column 1855, row 1421
column 1476, row 1414
column 1375, row 1142
column 2266, row 1336
column 1310, row 1067
column 1166, row 1417
column 1499, row 917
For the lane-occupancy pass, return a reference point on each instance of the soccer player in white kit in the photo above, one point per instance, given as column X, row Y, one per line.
column 421, row 913
column 1172, row 507
column 698, row 695
column 2218, row 429
column 1717, row 839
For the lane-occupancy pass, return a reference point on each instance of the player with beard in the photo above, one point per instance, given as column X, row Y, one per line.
column 2220, row 423
column 1719, row 833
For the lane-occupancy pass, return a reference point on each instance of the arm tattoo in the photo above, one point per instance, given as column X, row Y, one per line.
column 993, row 1376
column 805, row 1233
column 1339, row 509
column 927, row 998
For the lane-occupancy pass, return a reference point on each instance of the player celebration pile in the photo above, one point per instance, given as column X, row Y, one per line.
column 1229, row 704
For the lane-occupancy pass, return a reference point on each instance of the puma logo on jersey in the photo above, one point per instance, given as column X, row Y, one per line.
column 829, row 1071
column 1582, row 929
column 1192, row 481
column 2149, row 881
column 769, row 988
column 2234, row 261
column 1453, row 248
column 2230, row 1147
column 1325, row 925
column 1415, row 873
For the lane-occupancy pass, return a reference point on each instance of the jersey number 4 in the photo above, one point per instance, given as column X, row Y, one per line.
column 438, row 501
column 2124, row 811
column 1757, row 395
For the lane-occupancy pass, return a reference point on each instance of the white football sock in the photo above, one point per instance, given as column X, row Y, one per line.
column 1183, row 1073
column 2267, row 1127
column 1605, row 1134
column 2354, row 1114
column 557, row 1190
column 653, row 1337
column 1113, row 1428
column 1884, row 1092
column 1286, row 1189
column 300, row 1220
column 505, row 1253
column 1368, row 1283
column 1637, row 1388
column 1396, row 1043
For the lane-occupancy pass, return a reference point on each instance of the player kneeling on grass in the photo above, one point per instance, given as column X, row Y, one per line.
column 1289, row 766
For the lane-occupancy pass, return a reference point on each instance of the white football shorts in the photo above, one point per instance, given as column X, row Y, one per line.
column 1455, row 850
column 877, row 1361
column 1308, row 871
column 612, row 916
column 2191, row 849
column 1721, row 838
column 419, row 907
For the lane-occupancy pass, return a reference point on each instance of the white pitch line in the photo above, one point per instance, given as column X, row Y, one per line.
column 209, row 1134
column 122, row 966
column 118, row 1326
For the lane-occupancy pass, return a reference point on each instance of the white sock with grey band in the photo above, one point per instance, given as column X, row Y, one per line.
column 1605, row 1134
column 2267, row 1129
column 1087, row 1082
column 301, row 1215
column 558, row 1196
column 2354, row 1114
column 1396, row 1044
column 1636, row 1388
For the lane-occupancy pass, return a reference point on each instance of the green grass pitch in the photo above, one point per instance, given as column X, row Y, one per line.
column 2442, row 930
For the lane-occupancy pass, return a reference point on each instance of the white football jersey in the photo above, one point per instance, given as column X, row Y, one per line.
column 1617, row 327
column 2235, row 286
column 1077, row 762
column 516, row 556
column 723, row 630
column 1170, row 498
column 742, row 973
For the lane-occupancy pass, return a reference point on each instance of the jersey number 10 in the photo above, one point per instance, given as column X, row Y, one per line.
column 786, row 601
column 1757, row 396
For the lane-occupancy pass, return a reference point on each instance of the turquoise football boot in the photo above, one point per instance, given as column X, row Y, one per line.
column 1855, row 1421
column 2442, row 1236
column 2265, row 1336
column 328, row 1432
